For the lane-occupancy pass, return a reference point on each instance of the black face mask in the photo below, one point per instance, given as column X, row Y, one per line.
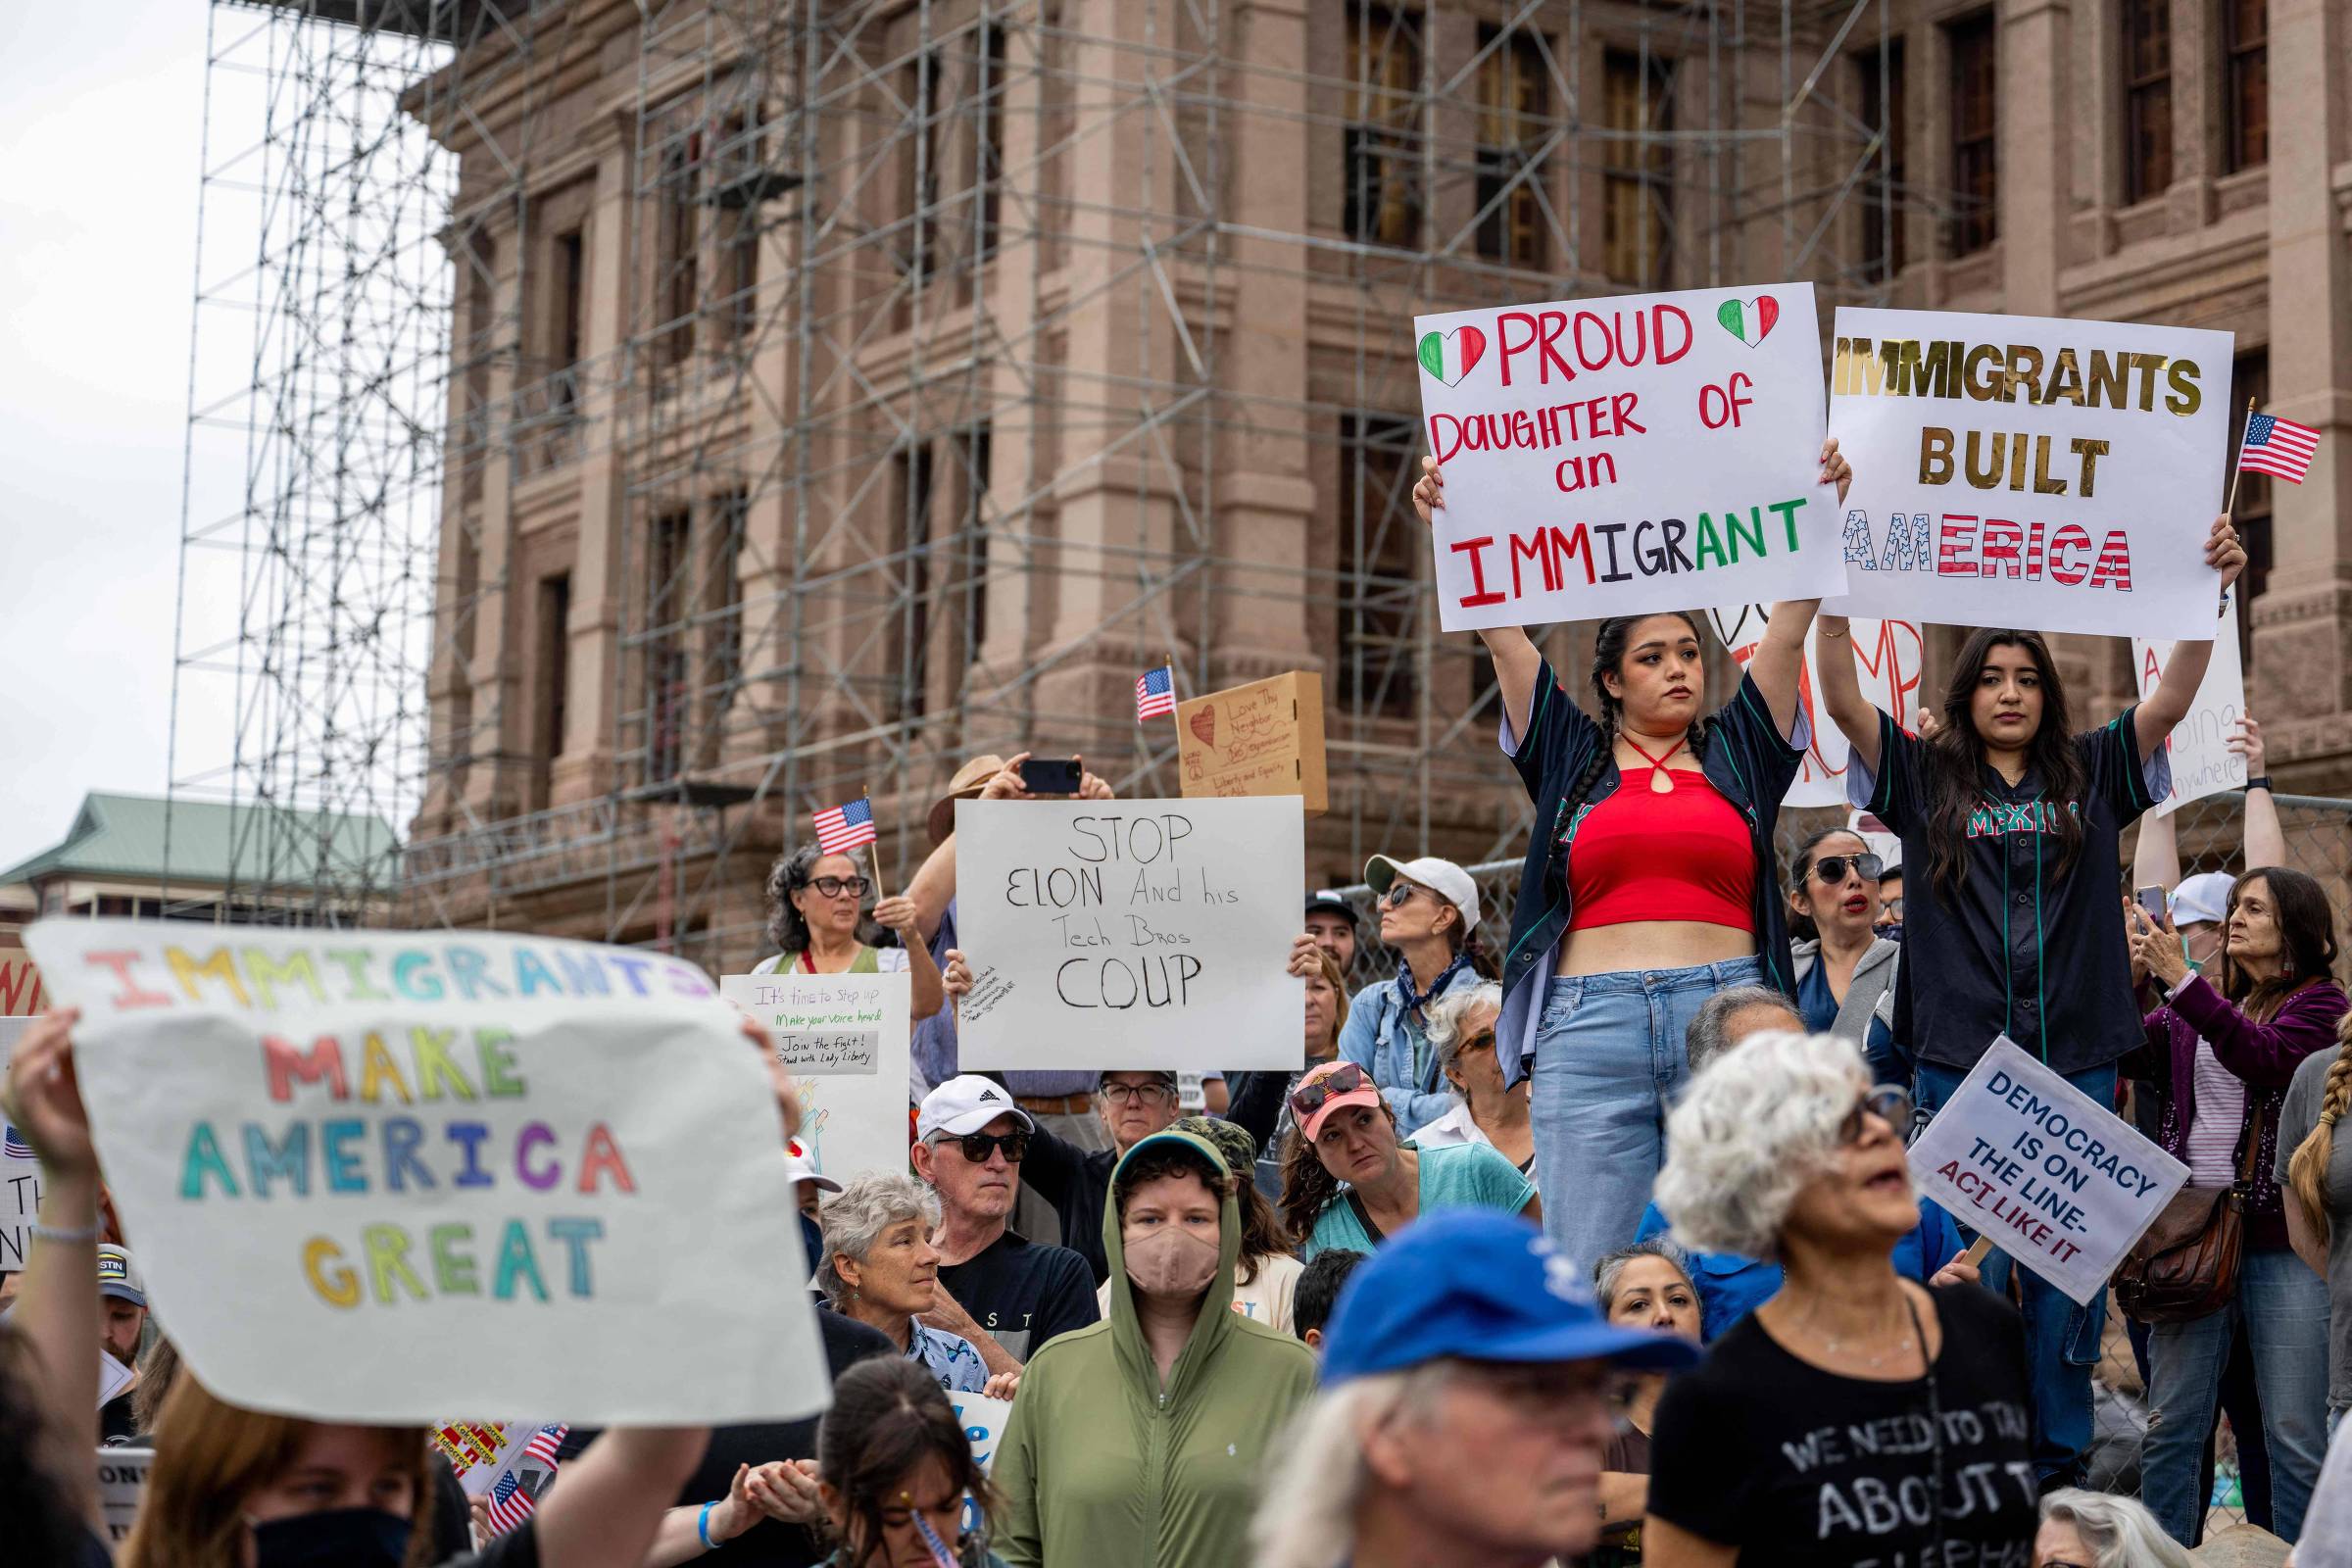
column 813, row 1241
column 341, row 1537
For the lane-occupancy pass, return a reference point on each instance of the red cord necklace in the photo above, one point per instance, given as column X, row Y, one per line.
column 1660, row 781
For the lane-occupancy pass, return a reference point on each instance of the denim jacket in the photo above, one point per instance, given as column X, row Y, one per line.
column 1392, row 1045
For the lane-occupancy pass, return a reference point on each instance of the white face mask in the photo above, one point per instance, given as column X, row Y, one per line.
column 1171, row 1262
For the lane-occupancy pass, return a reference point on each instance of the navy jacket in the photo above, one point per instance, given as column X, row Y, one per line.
column 1748, row 760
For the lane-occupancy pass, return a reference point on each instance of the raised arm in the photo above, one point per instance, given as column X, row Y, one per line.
column 2184, row 671
column 1838, row 691
column 610, row 1507
column 2156, row 862
column 1516, row 659
column 2266, row 835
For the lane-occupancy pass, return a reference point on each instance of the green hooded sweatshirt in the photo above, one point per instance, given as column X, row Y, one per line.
column 1103, row 1468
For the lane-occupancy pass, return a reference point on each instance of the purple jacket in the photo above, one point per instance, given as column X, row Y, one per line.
column 2264, row 1055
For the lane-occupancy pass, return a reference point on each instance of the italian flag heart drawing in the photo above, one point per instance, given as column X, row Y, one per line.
column 1749, row 321
column 1450, row 356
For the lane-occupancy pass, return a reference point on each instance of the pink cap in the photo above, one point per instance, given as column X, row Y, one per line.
column 1365, row 1094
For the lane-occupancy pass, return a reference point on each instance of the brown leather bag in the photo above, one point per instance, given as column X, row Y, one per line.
column 2185, row 1268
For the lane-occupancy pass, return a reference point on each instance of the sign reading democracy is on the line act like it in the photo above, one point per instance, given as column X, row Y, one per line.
column 377, row 1176
column 1615, row 456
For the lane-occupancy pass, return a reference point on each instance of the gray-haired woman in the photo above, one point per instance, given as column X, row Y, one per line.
column 1462, row 1031
column 2093, row 1530
column 1781, row 1149
column 1645, row 1286
column 881, row 1269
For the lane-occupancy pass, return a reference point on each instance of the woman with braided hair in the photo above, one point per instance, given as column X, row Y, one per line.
column 2314, row 1166
column 1649, row 883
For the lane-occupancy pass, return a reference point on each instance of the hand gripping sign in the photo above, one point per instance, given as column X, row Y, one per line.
column 2043, row 1171
column 1617, row 456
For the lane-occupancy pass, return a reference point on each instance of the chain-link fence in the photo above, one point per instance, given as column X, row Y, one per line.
column 2211, row 837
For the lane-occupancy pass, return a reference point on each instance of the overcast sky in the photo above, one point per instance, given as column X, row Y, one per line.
column 101, row 107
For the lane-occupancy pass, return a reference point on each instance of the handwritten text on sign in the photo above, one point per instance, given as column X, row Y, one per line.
column 1129, row 933
column 2013, row 470
column 377, row 1176
column 1609, row 457
column 844, row 1039
column 2202, row 761
column 1888, row 656
column 2057, row 1180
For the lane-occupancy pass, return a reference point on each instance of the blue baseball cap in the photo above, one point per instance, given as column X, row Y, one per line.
column 1480, row 1285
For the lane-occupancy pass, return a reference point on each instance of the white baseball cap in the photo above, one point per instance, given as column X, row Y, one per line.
column 965, row 1105
column 2202, row 899
column 801, row 1166
column 1442, row 877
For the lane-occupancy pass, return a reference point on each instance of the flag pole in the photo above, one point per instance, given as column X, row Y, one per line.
column 2230, row 507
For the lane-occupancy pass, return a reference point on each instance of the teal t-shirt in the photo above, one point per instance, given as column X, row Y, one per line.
column 1453, row 1176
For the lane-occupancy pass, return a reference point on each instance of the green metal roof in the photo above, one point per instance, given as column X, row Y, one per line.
column 123, row 836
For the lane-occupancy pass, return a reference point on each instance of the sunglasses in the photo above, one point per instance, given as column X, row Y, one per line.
column 977, row 1147
column 1891, row 1105
column 1310, row 1098
column 1832, row 869
column 833, row 887
column 1398, row 891
column 1484, row 1040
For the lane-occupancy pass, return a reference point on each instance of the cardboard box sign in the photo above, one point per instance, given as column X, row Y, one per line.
column 1265, row 738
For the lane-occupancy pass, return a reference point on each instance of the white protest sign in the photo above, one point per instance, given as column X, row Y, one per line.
column 378, row 1175
column 1614, row 456
column 21, row 1001
column 113, row 1376
column 2014, row 471
column 1888, row 654
column 122, row 1483
column 2199, row 745
column 843, row 1037
column 1129, row 934
column 983, row 1421
column 2051, row 1177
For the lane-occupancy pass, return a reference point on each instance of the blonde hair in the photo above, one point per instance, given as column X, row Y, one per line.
column 212, row 1457
column 1336, row 978
column 2307, row 1170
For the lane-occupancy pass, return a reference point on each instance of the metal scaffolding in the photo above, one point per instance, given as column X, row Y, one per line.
column 901, row 378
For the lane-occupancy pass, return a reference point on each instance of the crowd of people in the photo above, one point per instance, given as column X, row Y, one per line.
column 1596, row 1244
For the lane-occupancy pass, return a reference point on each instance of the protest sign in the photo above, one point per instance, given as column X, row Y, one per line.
column 1888, row 654
column 115, row 1376
column 2199, row 745
column 844, row 1039
column 1265, row 738
column 983, row 1421
column 122, row 1483
column 1614, row 456
column 2014, row 471
column 1110, row 934
column 375, row 1176
column 22, row 999
column 2044, row 1172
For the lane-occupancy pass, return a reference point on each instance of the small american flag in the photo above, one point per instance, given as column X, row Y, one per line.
column 510, row 1504
column 2278, row 446
column 545, row 1441
column 1156, row 692
column 845, row 827
column 13, row 1145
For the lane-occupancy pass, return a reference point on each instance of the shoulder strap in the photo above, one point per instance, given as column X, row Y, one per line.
column 2253, row 1148
column 1364, row 1217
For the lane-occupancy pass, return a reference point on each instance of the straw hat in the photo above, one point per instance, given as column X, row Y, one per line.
column 969, row 781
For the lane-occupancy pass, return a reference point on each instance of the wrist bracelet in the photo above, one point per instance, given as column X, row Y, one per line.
column 2262, row 783
column 54, row 1233
column 702, row 1527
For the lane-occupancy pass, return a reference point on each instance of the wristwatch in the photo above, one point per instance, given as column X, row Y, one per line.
column 2262, row 783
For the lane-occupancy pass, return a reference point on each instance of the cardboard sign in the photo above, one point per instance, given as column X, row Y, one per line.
column 2202, row 761
column 1612, row 457
column 2014, row 471
column 2054, row 1179
column 844, row 1039
column 1129, row 934
column 1888, row 654
column 1265, row 738
column 379, row 1175
column 122, row 1484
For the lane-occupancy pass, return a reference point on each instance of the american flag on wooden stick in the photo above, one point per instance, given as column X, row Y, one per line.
column 845, row 827
column 2278, row 446
column 1156, row 692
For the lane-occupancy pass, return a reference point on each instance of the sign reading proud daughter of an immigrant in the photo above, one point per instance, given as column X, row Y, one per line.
column 2011, row 470
column 1615, row 456
column 2051, row 1177
column 1107, row 934
column 375, row 1176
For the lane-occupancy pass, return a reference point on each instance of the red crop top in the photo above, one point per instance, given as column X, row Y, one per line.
column 1682, row 855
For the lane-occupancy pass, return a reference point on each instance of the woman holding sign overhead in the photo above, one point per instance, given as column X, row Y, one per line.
column 815, row 913
column 1649, row 884
column 2010, row 822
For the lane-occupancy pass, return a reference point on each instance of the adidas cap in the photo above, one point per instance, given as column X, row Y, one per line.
column 965, row 1105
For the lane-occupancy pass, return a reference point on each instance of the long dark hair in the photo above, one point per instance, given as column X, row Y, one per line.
column 785, row 927
column 1308, row 1189
column 2306, row 934
column 888, row 1416
column 1608, row 658
column 1957, row 761
column 1801, row 925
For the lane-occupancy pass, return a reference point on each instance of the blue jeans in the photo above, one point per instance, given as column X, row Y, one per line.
column 1609, row 1059
column 2062, row 1338
column 2284, row 1308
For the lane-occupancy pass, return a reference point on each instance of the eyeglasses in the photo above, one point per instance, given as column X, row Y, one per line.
column 977, row 1147
column 1148, row 1094
column 1310, row 1098
column 833, row 887
column 1832, row 869
column 1891, row 1105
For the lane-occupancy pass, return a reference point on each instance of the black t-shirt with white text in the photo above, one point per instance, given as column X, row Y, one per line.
column 1023, row 1294
column 1757, row 1449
